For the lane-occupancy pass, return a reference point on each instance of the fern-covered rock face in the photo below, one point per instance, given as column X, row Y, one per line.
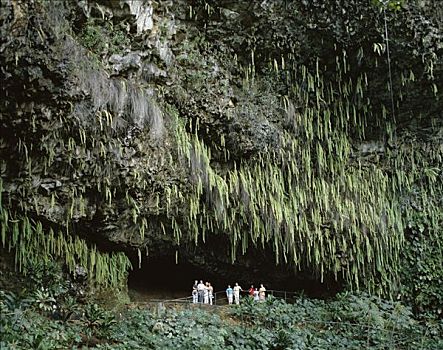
column 217, row 132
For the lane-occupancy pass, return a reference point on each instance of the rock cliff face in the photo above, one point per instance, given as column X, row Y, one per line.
column 213, row 131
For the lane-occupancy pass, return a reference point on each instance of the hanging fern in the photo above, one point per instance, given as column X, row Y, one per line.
column 32, row 245
column 311, row 200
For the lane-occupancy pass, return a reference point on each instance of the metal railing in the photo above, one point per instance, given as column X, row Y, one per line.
column 220, row 298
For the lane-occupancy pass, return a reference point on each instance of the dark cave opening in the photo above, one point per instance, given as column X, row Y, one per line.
column 162, row 278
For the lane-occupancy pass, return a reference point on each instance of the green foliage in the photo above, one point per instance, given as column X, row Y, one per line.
column 422, row 271
column 418, row 170
column 98, row 320
column 9, row 301
column 389, row 4
column 356, row 321
column 44, row 300
column 47, row 275
column 92, row 38
column 316, row 198
column 36, row 251
column 104, row 38
column 350, row 322
column 310, row 199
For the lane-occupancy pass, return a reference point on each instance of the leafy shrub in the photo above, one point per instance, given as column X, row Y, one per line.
column 422, row 268
column 348, row 322
column 44, row 300
column 97, row 320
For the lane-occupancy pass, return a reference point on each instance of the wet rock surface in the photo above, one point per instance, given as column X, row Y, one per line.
column 87, row 135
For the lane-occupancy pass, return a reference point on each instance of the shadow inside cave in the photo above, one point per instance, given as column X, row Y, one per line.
column 162, row 278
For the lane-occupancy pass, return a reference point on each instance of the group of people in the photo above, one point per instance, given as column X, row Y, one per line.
column 233, row 294
column 202, row 293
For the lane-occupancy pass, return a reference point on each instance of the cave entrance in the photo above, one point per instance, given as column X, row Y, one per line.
column 161, row 278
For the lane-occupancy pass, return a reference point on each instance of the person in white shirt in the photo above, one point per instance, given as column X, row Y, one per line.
column 256, row 293
column 194, row 296
column 201, row 291
column 206, row 294
column 237, row 290
column 211, row 293
column 262, row 293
